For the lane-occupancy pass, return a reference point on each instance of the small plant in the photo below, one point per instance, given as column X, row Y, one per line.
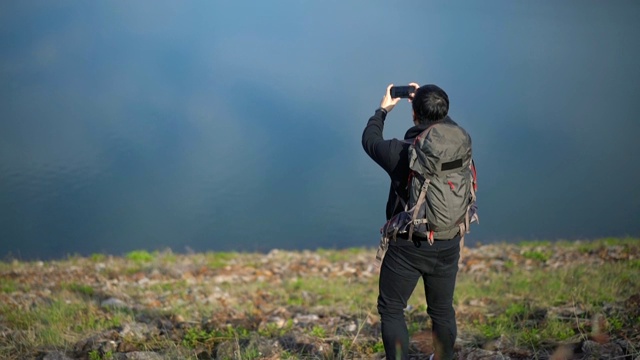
column 318, row 331
column 516, row 311
column 490, row 330
column 378, row 347
column 530, row 337
column 8, row 285
column 194, row 337
column 218, row 260
column 95, row 355
column 536, row 255
column 140, row 256
column 80, row 289
column 534, row 243
column 251, row 353
column 414, row 327
column 615, row 323
column 557, row 330
column 97, row 257
column 273, row 330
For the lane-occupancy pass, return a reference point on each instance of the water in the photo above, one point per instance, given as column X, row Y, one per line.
column 210, row 127
column 155, row 183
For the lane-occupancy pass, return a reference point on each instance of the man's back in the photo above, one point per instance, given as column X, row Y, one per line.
column 393, row 156
column 405, row 262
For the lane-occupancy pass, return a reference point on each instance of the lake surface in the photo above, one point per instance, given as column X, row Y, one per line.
column 210, row 127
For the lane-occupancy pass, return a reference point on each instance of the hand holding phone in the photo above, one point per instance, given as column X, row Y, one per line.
column 402, row 91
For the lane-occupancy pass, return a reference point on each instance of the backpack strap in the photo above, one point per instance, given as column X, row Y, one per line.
column 399, row 199
column 466, row 224
column 416, row 209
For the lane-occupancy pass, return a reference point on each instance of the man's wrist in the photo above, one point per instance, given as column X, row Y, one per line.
column 384, row 111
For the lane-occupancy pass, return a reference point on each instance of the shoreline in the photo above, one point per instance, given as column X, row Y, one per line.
column 527, row 300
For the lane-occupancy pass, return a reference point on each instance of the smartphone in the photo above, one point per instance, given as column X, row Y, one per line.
column 402, row 91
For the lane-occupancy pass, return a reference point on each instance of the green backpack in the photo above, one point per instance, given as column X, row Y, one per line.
column 442, row 186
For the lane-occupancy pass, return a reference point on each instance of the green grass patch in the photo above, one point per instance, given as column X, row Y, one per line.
column 8, row 286
column 536, row 255
column 342, row 293
column 318, row 331
column 81, row 289
column 56, row 324
column 532, row 305
column 98, row 257
column 340, row 255
column 585, row 286
column 534, row 243
column 140, row 256
column 218, row 260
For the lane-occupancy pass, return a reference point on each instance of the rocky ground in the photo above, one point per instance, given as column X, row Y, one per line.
column 186, row 306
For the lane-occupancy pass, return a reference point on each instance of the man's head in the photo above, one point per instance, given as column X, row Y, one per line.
column 430, row 103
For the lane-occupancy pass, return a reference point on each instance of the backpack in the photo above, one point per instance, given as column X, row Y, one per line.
column 441, row 187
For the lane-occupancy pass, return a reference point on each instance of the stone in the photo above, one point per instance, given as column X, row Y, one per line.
column 594, row 350
column 100, row 342
column 143, row 355
column 306, row 319
column 137, row 331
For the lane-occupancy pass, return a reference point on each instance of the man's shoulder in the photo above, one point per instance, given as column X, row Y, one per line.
column 449, row 120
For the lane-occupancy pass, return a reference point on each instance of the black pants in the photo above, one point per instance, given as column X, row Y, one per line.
column 402, row 266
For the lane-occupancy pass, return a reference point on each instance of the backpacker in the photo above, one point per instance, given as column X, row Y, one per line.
column 442, row 187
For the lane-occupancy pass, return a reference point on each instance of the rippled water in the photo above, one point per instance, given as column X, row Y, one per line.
column 182, row 185
column 210, row 127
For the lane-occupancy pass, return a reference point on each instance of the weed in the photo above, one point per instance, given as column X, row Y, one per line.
column 273, row 330
column 285, row 354
column 530, row 338
column 218, row 260
column 558, row 330
column 339, row 255
column 516, row 311
column 487, row 330
column 534, row 243
column 97, row 257
column 140, row 256
column 378, row 347
column 615, row 323
column 195, row 337
column 251, row 353
column 95, row 355
column 536, row 255
column 414, row 327
column 79, row 288
column 8, row 286
column 318, row 331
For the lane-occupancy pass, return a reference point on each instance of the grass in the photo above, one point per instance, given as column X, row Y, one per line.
column 531, row 306
column 8, row 285
column 519, row 297
column 140, row 256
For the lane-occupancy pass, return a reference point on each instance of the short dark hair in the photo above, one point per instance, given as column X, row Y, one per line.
column 430, row 103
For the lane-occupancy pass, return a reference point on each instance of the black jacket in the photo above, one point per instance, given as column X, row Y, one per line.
column 392, row 155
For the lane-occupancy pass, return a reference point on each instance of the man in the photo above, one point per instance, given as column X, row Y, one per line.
column 405, row 262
